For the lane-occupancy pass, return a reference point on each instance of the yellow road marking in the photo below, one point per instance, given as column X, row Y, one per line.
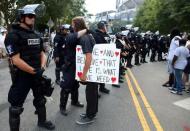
column 147, row 105
column 137, row 106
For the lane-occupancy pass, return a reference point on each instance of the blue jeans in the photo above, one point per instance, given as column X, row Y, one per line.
column 178, row 84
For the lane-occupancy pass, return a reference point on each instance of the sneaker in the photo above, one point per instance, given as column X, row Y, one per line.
column 176, row 92
column 85, row 120
column 171, row 88
column 82, row 115
column 47, row 125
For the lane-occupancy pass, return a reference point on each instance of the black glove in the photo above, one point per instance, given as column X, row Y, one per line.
column 39, row 72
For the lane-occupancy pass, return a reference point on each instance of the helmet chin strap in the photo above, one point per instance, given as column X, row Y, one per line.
column 29, row 26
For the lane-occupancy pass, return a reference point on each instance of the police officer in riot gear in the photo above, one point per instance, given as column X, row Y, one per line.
column 154, row 48
column 68, row 83
column 25, row 50
column 101, row 36
column 59, row 50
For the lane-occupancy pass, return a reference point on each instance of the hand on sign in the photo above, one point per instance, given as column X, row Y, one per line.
column 83, row 78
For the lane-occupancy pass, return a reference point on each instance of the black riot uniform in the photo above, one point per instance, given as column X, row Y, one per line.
column 138, row 46
column 59, row 51
column 68, row 82
column 24, row 45
column 28, row 44
column 154, row 48
column 143, row 50
column 101, row 37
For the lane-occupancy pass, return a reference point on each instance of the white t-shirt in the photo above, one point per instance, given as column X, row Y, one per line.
column 173, row 45
column 182, row 53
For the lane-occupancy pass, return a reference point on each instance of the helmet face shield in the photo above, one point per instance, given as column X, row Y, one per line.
column 34, row 9
column 37, row 9
column 65, row 26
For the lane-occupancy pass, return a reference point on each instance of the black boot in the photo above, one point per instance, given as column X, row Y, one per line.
column 14, row 118
column 42, row 122
column 75, row 97
column 103, row 89
column 63, row 102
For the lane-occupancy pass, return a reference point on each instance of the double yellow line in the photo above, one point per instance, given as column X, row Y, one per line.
column 140, row 113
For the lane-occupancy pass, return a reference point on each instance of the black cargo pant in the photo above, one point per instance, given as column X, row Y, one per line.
column 17, row 95
column 69, row 86
column 20, row 89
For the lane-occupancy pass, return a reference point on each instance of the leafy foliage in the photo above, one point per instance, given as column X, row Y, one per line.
column 163, row 15
column 58, row 10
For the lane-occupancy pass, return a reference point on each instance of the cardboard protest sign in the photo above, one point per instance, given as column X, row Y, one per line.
column 104, row 66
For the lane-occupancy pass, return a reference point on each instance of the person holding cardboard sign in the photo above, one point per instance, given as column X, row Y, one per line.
column 87, row 42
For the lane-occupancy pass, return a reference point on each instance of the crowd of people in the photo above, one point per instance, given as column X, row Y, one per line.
column 178, row 63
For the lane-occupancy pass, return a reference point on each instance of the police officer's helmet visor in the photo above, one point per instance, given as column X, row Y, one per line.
column 30, row 16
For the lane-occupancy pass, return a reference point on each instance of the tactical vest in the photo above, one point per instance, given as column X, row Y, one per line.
column 30, row 48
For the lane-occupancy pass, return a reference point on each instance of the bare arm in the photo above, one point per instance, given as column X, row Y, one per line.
column 43, row 59
column 22, row 65
column 86, row 66
column 81, row 33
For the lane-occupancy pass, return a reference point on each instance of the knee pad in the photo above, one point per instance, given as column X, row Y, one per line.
column 39, row 103
column 15, row 111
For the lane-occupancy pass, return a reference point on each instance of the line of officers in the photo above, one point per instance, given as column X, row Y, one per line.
column 140, row 46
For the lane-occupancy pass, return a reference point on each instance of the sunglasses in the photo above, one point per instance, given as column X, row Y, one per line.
column 30, row 16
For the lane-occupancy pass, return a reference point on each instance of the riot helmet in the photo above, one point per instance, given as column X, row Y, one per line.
column 37, row 10
column 65, row 27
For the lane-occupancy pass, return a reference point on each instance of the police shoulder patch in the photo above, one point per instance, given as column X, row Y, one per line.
column 9, row 49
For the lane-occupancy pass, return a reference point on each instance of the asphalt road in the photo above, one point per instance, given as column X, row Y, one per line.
column 141, row 104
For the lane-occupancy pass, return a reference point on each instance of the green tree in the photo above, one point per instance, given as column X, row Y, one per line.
column 163, row 15
column 8, row 7
column 58, row 10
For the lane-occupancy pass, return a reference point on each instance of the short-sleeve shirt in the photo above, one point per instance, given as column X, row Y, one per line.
column 182, row 53
column 26, row 43
column 12, row 44
column 87, row 42
column 174, row 44
column 71, row 39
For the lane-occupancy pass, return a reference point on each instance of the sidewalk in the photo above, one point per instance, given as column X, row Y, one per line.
column 3, row 63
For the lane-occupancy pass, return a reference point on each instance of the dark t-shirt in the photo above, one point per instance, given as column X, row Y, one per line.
column 87, row 42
